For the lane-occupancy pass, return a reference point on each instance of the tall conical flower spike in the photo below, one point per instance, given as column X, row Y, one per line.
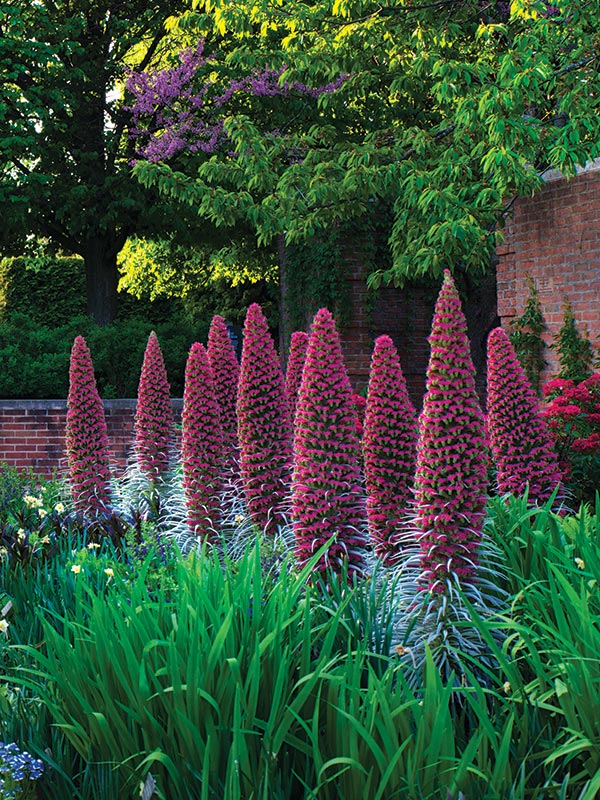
column 226, row 374
column 264, row 425
column 519, row 439
column 201, row 446
column 154, row 415
column 451, row 470
column 87, row 442
column 327, row 497
column 389, row 450
column 293, row 375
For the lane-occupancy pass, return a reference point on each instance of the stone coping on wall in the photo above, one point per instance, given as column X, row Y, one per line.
column 60, row 405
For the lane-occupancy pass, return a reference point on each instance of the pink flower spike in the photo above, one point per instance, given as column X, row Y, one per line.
column 519, row 437
column 202, row 453
column 327, row 497
column 389, row 449
column 226, row 374
column 293, row 376
column 87, row 442
column 264, row 425
column 154, row 415
column 450, row 483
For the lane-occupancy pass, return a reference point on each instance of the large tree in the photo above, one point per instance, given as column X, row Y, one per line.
column 443, row 112
column 64, row 150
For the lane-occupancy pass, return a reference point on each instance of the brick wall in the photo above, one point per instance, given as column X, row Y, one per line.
column 555, row 238
column 32, row 432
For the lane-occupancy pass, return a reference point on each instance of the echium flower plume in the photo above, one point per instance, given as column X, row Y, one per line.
column 201, row 446
column 154, row 415
column 450, row 483
column 327, row 497
column 389, row 450
column 87, row 442
column 226, row 374
column 519, row 438
column 264, row 425
column 295, row 365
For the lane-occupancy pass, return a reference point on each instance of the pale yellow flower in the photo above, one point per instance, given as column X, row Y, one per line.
column 45, row 540
column 580, row 563
column 42, row 512
column 506, row 687
column 59, row 507
column 93, row 546
column 30, row 501
column 4, row 627
column 20, row 534
column 110, row 572
column 238, row 518
column 76, row 568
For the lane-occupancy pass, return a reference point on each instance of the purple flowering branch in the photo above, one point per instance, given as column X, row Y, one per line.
column 175, row 110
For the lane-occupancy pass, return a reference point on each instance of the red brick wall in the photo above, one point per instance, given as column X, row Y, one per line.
column 555, row 238
column 404, row 314
column 32, row 432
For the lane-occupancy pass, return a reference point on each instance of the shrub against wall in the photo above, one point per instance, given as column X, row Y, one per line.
column 35, row 358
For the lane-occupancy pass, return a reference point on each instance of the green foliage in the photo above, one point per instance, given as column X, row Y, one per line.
column 35, row 358
column 51, row 294
column 223, row 281
column 458, row 113
column 316, row 277
column 526, row 336
column 575, row 352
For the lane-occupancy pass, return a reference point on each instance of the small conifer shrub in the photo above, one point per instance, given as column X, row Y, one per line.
column 451, row 469
column 154, row 415
column 226, row 374
column 293, row 375
column 86, row 439
column 389, row 450
column 575, row 352
column 327, row 497
column 264, row 426
column 519, row 438
column 202, row 453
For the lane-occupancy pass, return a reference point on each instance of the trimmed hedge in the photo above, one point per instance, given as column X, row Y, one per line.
column 35, row 358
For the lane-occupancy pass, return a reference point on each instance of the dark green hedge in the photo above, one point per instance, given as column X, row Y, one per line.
column 34, row 359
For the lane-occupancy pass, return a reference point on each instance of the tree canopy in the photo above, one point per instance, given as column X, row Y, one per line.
column 442, row 112
column 64, row 149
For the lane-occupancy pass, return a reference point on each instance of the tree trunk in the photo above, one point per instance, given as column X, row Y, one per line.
column 102, row 278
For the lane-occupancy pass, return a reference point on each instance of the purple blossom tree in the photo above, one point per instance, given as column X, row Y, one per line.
column 226, row 374
column 327, row 497
column 264, row 425
column 389, row 450
column 202, row 452
column 450, row 484
column 154, row 415
column 182, row 108
column 520, row 441
column 86, row 439
column 293, row 375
